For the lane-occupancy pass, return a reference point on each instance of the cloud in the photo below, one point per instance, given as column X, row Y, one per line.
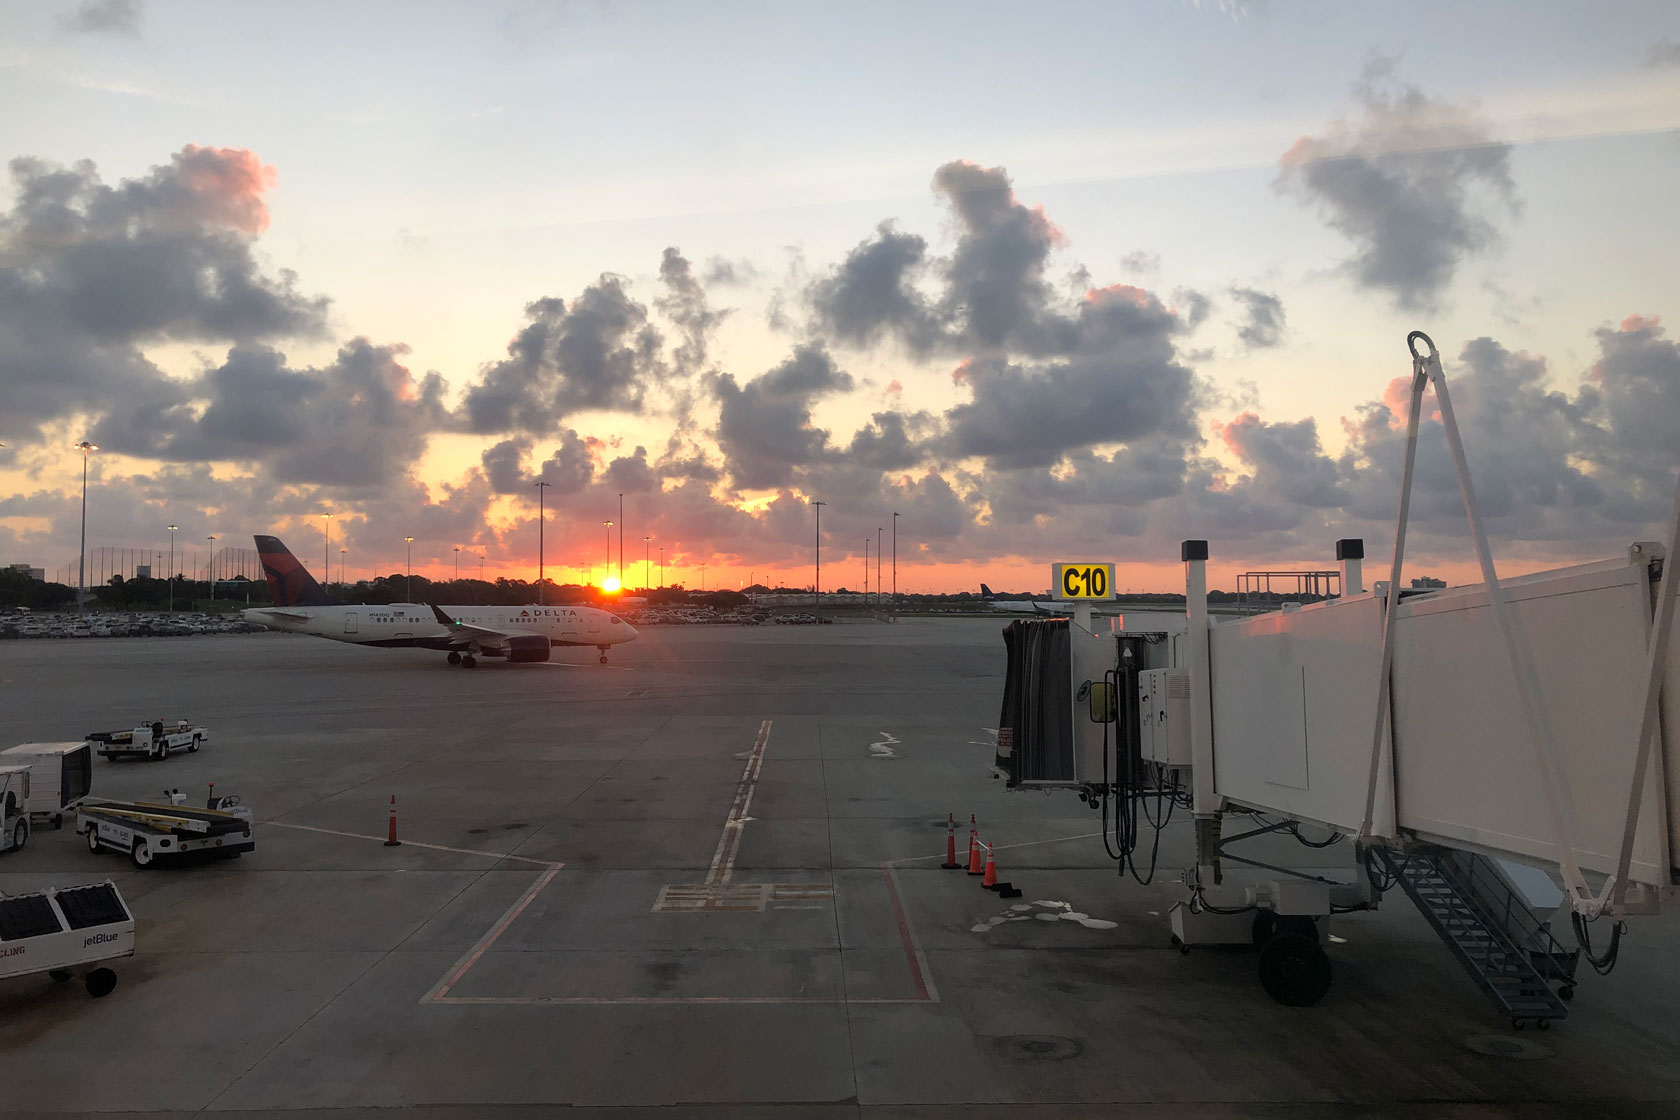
column 358, row 422
column 727, row 272
column 1139, row 261
column 90, row 273
column 1661, row 54
column 765, row 428
column 1195, row 306
column 113, row 17
column 1123, row 383
column 1263, row 323
column 599, row 353
column 873, row 294
column 685, row 304
column 1412, row 184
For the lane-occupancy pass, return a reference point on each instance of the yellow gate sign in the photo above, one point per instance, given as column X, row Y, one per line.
column 1082, row 581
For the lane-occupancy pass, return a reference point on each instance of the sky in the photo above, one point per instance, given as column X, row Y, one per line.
column 1061, row 282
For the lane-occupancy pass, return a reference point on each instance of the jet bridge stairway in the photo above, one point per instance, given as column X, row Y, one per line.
column 1507, row 952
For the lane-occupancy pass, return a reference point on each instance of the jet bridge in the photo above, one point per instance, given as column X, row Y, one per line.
column 1458, row 737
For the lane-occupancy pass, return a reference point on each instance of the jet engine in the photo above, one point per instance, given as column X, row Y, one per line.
column 527, row 647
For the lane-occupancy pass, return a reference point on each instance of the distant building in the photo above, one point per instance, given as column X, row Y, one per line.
column 142, row 571
column 25, row 569
column 1428, row 581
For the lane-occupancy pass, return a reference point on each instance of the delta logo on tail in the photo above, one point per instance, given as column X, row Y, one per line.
column 288, row 580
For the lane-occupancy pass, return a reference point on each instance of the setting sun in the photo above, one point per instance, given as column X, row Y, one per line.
column 610, row 584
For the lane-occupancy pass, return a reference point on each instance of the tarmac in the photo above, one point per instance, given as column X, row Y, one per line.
column 703, row 881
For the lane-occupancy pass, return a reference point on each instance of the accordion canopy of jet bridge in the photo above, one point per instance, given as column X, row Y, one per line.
column 1035, row 729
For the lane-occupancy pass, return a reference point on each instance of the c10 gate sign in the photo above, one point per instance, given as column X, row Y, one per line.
column 1082, row 581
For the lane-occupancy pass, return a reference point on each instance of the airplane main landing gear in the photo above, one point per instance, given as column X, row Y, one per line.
column 469, row 662
column 454, row 657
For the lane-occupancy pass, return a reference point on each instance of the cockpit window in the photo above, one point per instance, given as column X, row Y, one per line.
column 616, row 620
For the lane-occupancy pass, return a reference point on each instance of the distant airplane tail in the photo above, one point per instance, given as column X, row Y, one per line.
column 986, row 592
column 288, row 579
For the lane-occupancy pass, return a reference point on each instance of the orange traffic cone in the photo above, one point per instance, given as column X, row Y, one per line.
column 951, row 863
column 391, row 840
column 990, row 881
column 975, row 864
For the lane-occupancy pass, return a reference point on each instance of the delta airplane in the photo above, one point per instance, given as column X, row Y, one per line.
column 465, row 633
column 1019, row 606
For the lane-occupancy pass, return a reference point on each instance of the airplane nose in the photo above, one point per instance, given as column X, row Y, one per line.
column 629, row 633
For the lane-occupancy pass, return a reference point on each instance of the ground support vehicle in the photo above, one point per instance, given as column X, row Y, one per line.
column 58, row 930
column 150, row 832
column 149, row 740
column 14, row 807
column 60, row 775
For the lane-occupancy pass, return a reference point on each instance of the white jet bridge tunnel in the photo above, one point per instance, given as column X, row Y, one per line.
column 1463, row 738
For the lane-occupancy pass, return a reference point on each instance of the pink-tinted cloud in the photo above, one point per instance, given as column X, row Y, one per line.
column 226, row 185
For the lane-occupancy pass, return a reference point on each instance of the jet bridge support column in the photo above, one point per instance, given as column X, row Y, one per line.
column 1350, row 555
column 1205, row 802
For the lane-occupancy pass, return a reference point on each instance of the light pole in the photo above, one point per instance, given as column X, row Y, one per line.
column 342, row 553
column 702, row 577
column 408, row 580
column 542, row 519
column 895, row 560
column 878, row 531
column 866, row 569
column 621, row 542
column 661, row 567
column 647, row 568
column 326, row 548
column 457, row 563
column 172, row 529
column 607, row 573
column 81, row 564
column 816, row 585
column 211, row 566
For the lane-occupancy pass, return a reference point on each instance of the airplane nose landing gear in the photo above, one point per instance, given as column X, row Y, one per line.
column 603, row 650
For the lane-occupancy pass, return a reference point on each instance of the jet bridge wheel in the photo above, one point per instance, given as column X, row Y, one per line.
column 1294, row 970
column 454, row 657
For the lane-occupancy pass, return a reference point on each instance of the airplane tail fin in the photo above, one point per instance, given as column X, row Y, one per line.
column 986, row 592
column 288, row 579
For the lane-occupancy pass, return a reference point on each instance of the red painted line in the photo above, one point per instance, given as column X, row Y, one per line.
column 912, row 952
column 489, row 939
column 417, row 844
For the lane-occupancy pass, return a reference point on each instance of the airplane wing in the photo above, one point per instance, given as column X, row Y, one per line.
column 484, row 636
column 279, row 613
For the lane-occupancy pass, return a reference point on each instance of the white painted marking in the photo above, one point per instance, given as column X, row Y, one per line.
column 729, row 844
column 1334, row 940
column 988, row 742
column 883, row 747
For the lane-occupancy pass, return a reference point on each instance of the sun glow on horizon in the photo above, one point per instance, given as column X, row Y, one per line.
column 610, row 584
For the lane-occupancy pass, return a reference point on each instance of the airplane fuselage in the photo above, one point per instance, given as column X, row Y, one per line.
column 396, row 625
